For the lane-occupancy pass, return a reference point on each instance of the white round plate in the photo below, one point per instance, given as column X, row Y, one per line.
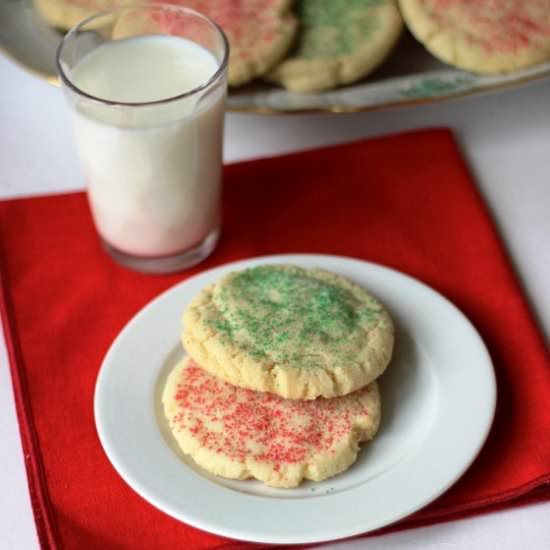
column 438, row 400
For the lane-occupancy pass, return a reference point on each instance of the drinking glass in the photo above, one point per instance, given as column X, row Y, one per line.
column 146, row 86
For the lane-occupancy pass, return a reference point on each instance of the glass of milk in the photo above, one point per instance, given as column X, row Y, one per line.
column 147, row 86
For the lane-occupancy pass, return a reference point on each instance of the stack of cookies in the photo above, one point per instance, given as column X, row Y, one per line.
column 279, row 381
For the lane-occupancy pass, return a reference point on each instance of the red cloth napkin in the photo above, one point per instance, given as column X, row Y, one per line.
column 405, row 201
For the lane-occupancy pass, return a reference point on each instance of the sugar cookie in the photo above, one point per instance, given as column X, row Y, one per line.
column 65, row 14
column 259, row 32
column 290, row 331
column 239, row 434
column 339, row 42
column 485, row 36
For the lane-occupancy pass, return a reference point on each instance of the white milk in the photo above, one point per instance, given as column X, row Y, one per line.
column 153, row 172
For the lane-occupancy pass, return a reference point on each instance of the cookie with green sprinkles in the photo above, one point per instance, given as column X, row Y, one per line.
column 299, row 333
column 339, row 42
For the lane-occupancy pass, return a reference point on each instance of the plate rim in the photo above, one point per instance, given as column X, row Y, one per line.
column 475, row 91
column 225, row 530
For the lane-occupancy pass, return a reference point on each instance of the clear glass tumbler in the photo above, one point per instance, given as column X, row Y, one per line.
column 147, row 85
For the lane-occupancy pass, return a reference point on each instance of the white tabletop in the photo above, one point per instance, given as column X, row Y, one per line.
column 506, row 140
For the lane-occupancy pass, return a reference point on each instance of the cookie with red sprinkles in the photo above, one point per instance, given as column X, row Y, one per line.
column 299, row 333
column 260, row 32
column 240, row 434
column 484, row 36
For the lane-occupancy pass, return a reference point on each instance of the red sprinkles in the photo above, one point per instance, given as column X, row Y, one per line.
column 242, row 423
column 503, row 26
column 247, row 24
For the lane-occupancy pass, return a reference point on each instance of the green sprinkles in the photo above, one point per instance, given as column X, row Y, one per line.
column 291, row 317
column 331, row 28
